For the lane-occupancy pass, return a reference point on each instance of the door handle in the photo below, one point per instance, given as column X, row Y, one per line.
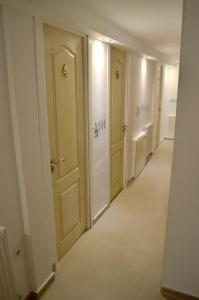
column 53, row 162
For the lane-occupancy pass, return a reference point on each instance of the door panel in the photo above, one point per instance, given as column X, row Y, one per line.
column 64, row 77
column 65, row 88
column 117, row 102
column 116, row 167
column 117, row 120
column 70, row 216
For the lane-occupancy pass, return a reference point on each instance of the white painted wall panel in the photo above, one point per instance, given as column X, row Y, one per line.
column 20, row 31
column 169, row 100
column 10, row 207
column 141, row 92
column 140, row 101
column 98, row 97
column 181, row 267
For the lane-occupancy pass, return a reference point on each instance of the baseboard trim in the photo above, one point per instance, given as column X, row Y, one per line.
column 37, row 295
column 175, row 295
column 130, row 181
column 100, row 214
column 148, row 157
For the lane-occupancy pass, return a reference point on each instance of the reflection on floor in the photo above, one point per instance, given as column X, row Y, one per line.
column 121, row 257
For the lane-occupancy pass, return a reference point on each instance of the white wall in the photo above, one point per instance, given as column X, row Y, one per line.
column 99, row 143
column 140, row 101
column 37, row 232
column 10, row 207
column 169, row 99
column 181, row 267
column 141, row 93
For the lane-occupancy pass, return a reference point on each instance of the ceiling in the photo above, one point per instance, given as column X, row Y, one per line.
column 157, row 23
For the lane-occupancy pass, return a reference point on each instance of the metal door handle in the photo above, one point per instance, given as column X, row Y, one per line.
column 53, row 162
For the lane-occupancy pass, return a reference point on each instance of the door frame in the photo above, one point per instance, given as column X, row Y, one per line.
column 127, row 115
column 160, row 104
column 43, row 120
column 127, row 119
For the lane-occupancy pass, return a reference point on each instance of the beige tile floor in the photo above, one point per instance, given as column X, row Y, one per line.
column 121, row 257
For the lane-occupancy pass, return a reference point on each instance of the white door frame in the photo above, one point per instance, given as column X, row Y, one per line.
column 127, row 116
column 43, row 119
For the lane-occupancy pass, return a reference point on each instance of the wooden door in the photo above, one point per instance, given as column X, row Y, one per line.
column 157, row 117
column 64, row 76
column 117, row 127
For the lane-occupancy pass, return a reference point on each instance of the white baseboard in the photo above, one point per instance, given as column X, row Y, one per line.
column 96, row 218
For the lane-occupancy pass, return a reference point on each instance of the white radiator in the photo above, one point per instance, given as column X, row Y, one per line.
column 149, row 130
column 7, row 284
column 139, row 153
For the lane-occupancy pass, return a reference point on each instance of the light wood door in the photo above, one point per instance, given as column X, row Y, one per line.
column 117, row 121
column 64, row 76
column 157, row 117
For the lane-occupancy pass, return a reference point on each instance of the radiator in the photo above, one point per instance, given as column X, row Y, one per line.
column 139, row 153
column 7, row 284
column 171, row 126
column 149, row 138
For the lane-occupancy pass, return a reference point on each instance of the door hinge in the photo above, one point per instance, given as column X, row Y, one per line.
column 54, row 268
column 125, row 128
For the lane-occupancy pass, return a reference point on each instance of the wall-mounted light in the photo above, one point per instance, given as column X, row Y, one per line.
column 98, row 55
column 149, row 57
column 107, row 40
column 143, row 69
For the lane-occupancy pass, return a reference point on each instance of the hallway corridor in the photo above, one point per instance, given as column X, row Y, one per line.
column 121, row 257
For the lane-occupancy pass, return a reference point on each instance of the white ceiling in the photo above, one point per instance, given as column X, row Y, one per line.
column 157, row 23
column 149, row 26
